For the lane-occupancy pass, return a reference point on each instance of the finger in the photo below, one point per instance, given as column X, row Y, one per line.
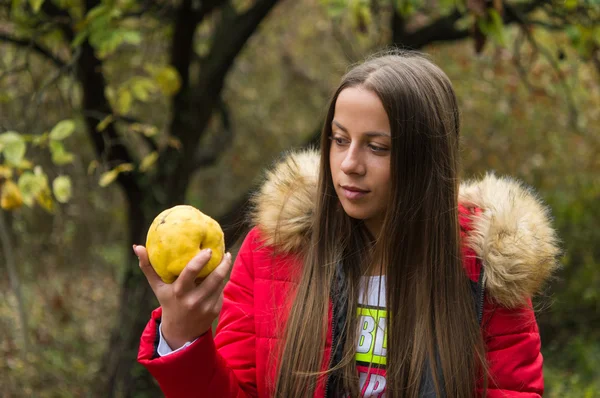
column 151, row 275
column 215, row 281
column 187, row 278
column 218, row 303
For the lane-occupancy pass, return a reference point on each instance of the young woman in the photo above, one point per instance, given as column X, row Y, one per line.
column 370, row 271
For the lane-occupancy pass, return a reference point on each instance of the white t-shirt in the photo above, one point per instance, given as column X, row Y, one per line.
column 371, row 348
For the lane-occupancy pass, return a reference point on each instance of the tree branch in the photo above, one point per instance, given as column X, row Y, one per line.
column 229, row 42
column 193, row 107
column 38, row 48
column 443, row 29
column 208, row 156
column 235, row 222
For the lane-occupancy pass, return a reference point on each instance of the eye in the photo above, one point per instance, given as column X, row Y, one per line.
column 339, row 141
column 378, row 149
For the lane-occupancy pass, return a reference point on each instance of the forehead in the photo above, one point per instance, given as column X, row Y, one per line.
column 359, row 109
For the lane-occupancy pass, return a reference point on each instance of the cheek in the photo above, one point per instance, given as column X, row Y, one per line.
column 333, row 165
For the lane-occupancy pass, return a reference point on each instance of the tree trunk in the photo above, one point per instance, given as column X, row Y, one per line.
column 121, row 375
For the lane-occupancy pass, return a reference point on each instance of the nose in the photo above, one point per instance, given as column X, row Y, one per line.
column 353, row 162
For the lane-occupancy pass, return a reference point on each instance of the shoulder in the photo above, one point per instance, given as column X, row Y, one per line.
column 263, row 260
column 510, row 231
column 505, row 226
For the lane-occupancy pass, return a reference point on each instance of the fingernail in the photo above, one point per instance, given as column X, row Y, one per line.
column 228, row 256
column 208, row 251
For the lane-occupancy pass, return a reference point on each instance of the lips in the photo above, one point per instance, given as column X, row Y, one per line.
column 353, row 193
column 354, row 189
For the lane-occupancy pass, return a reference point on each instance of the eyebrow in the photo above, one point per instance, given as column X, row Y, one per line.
column 367, row 133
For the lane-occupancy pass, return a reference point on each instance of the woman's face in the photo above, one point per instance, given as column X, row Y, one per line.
column 359, row 157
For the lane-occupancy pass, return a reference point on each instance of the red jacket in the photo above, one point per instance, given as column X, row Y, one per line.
column 503, row 227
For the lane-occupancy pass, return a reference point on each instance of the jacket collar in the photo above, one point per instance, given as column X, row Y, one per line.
column 512, row 233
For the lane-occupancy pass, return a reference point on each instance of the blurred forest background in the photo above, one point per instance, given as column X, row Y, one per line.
column 113, row 110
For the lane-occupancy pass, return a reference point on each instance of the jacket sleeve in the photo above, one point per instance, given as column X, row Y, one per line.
column 513, row 354
column 221, row 367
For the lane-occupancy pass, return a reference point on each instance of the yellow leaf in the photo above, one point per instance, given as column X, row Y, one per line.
column 44, row 199
column 108, row 177
column 124, row 100
column 104, row 123
column 92, row 166
column 168, row 80
column 124, row 167
column 25, row 165
column 36, row 5
column 146, row 129
column 62, row 130
column 148, row 161
column 61, row 187
column 5, row 172
column 175, row 143
column 10, row 197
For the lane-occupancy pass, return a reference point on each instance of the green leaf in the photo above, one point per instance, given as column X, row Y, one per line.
column 100, row 127
column 147, row 129
column 148, row 161
column 108, row 177
column 168, row 80
column 39, row 140
column 13, row 146
column 570, row 4
column 497, row 27
column 335, row 8
column 131, row 37
column 62, row 130
column 36, row 5
column 31, row 185
column 142, row 88
column 124, row 100
column 80, row 38
column 61, row 187
column 60, row 156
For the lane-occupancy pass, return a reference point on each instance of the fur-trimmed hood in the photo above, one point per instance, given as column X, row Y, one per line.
column 512, row 234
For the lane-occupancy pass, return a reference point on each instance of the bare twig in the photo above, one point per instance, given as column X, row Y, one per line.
column 521, row 19
column 38, row 48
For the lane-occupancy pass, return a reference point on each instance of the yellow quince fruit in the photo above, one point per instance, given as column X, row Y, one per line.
column 177, row 235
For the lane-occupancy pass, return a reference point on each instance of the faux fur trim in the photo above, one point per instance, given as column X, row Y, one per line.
column 512, row 234
column 283, row 208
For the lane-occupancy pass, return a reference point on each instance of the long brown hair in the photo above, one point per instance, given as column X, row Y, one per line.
column 431, row 316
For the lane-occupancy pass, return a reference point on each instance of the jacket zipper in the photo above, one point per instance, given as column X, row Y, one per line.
column 332, row 345
column 481, row 294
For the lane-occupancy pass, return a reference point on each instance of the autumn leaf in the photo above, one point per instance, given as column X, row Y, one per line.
column 148, row 161
column 30, row 185
column 61, row 187
column 13, row 146
column 110, row 176
column 10, row 195
column 168, row 80
column 62, row 130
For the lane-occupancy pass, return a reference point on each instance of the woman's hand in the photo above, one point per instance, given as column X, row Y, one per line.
column 188, row 307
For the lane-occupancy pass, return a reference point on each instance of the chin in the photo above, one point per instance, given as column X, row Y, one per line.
column 356, row 212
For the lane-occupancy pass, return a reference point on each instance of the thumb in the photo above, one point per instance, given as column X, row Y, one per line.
column 151, row 275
